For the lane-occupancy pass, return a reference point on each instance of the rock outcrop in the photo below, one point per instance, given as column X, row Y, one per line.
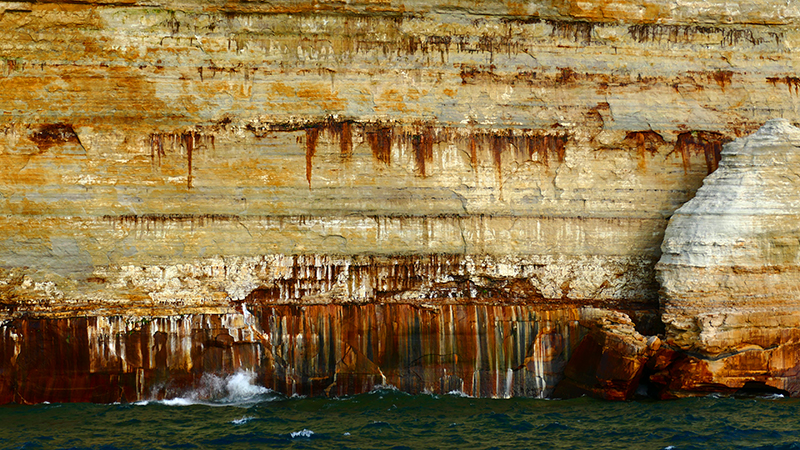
column 610, row 360
column 182, row 160
column 730, row 271
column 477, row 350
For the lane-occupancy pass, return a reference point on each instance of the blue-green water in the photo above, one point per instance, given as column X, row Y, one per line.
column 255, row 418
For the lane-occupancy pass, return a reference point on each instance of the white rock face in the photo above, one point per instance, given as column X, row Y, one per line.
column 729, row 269
column 746, row 212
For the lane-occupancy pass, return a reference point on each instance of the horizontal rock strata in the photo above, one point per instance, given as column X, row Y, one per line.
column 182, row 157
column 729, row 271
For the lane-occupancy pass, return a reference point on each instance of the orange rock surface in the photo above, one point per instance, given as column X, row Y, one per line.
column 185, row 158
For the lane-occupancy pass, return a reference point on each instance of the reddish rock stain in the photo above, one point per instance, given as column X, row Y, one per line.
column 708, row 143
column 46, row 136
column 422, row 145
column 187, row 141
column 312, row 135
column 645, row 142
column 792, row 83
column 380, row 141
column 481, row 350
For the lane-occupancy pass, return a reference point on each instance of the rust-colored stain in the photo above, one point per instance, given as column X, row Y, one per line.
column 425, row 45
column 388, row 278
column 473, row 75
column 544, row 145
column 473, row 151
column 568, row 77
column 708, row 143
column 645, row 142
column 792, row 83
column 379, row 138
column 343, row 131
column 540, row 147
column 481, row 350
column 46, row 136
column 496, row 144
column 392, row 99
column 577, row 31
column 312, row 135
column 186, row 142
column 157, row 148
column 422, row 145
column 722, row 77
column 682, row 34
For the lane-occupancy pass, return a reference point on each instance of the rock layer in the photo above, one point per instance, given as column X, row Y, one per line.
column 729, row 270
column 172, row 158
column 610, row 360
column 477, row 350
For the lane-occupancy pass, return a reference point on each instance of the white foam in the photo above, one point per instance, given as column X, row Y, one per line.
column 305, row 433
column 383, row 387
column 772, row 396
column 179, row 401
column 241, row 421
column 459, row 393
column 240, row 386
column 235, row 389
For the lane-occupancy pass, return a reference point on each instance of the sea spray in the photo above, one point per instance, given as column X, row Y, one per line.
column 226, row 390
column 304, row 433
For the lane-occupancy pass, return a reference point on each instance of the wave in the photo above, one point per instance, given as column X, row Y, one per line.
column 459, row 393
column 242, row 421
column 237, row 389
column 381, row 388
column 772, row 397
column 304, row 433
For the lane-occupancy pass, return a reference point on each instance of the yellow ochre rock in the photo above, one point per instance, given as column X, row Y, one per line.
column 183, row 161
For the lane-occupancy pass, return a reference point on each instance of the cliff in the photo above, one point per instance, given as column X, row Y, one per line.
column 730, row 270
column 433, row 195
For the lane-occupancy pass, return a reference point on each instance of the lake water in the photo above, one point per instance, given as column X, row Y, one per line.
column 233, row 413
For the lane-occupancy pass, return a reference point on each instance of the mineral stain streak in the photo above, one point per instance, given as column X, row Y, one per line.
column 336, row 350
column 380, row 141
column 465, row 197
column 46, row 136
column 187, row 141
column 540, row 146
column 184, row 142
column 707, row 143
column 422, row 145
column 792, row 83
column 312, row 135
column 646, row 142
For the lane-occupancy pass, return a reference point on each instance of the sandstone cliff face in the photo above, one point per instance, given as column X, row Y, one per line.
column 729, row 271
column 183, row 157
column 477, row 350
